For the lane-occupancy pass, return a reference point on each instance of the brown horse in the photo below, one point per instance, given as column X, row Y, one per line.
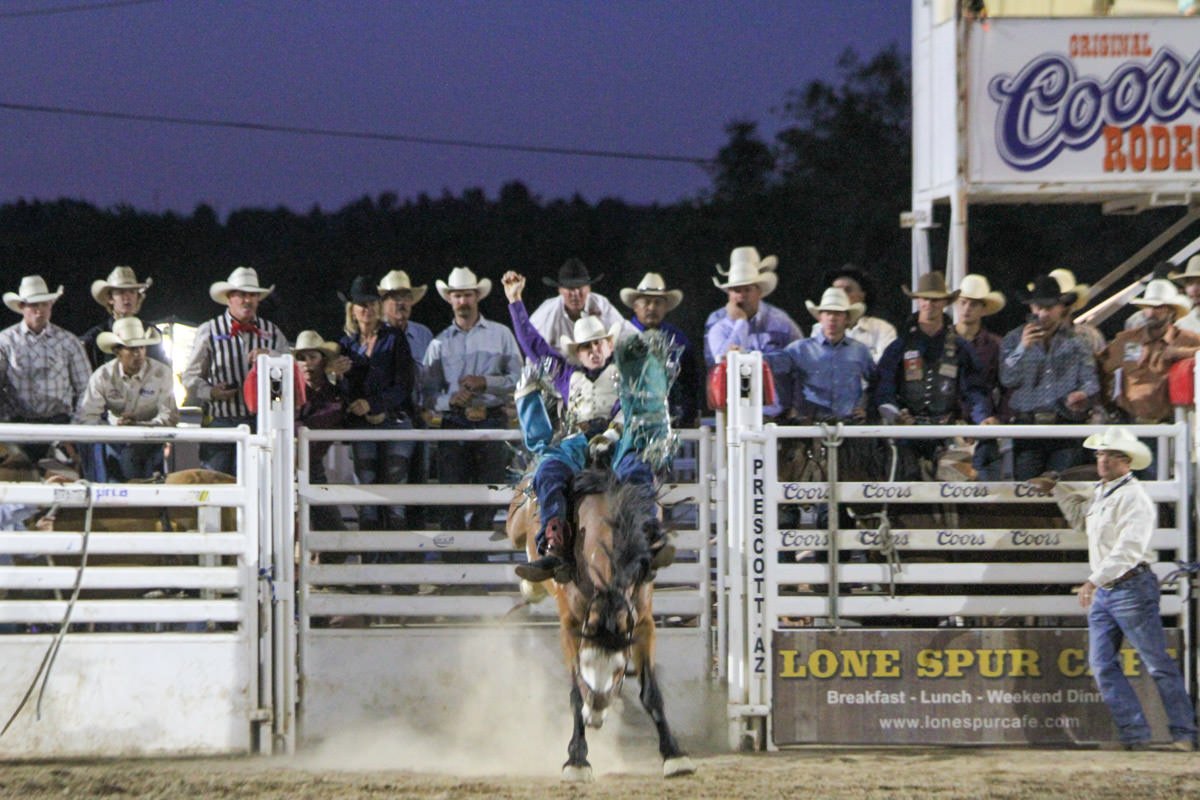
column 606, row 614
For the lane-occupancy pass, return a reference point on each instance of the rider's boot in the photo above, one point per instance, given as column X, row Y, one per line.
column 555, row 561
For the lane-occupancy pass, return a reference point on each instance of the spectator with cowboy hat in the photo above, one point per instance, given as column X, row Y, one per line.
column 1051, row 374
column 1138, row 360
column 468, row 377
column 1082, row 291
column 131, row 389
column 651, row 301
column 224, row 350
column 43, row 369
column 928, row 376
column 556, row 317
column 1121, row 595
column 874, row 332
column 121, row 294
column 977, row 300
column 747, row 321
column 1189, row 279
column 323, row 408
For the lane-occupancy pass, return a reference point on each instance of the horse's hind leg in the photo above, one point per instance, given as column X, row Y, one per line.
column 577, row 769
column 675, row 761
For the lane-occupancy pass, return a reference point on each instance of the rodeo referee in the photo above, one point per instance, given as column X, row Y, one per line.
column 1121, row 594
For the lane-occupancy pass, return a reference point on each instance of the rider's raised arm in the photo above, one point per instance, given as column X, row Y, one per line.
column 532, row 344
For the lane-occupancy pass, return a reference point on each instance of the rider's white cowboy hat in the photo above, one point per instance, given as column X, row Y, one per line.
column 835, row 299
column 242, row 279
column 128, row 332
column 931, row 286
column 652, row 285
column 1192, row 270
column 747, row 269
column 32, row 290
column 311, row 340
column 1067, row 285
column 119, row 278
column 463, row 279
column 976, row 287
column 1122, row 441
column 397, row 281
column 588, row 328
column 1161, row 292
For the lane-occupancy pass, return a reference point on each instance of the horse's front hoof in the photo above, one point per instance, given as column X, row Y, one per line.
column 533, row 592
column 680, row 765
column 577, row 774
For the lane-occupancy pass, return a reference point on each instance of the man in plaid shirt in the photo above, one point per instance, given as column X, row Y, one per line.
column 43, row 368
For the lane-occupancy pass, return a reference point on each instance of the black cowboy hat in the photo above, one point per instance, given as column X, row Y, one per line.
column 362, row 291
column 1046, row 291
column 571, row 275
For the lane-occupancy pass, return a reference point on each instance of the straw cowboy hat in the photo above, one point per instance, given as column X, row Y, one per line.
column 1191, row 271
column 33, row 290
column 976, row 287
column 1045, row 290
column 835, row 299
column 1160, row 292
column 931, row 286
column 311, row 340
column 360, row 292
column 119, row 278
column 397, row 281
column 588, row 328
column 1122, row 441
column 571, row 275
column 463, row 279
column 747, row 269
column 652, row 285
column 1066, row 283
column 128, row 332
column 242, row 279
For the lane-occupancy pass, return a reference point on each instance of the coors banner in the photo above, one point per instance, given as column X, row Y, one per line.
column 1085, row 101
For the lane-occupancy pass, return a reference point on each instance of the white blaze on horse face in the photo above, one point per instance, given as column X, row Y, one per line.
column 601, row 670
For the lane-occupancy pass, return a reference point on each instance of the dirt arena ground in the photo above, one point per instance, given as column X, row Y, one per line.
column 822, row 773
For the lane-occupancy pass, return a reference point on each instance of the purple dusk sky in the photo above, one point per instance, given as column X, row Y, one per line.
column 655, row 76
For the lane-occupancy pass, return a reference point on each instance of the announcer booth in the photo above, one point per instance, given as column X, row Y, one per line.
column 1054, row 101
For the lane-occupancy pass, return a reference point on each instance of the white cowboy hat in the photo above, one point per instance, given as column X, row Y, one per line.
column 242, row 279
column 463, row 279
column 835, row 299
column 652, row 285
column 1122, row 441
column 128, row 332
column 1067, row 284
column 397, row 281
column 1161, row 292
column 119, row 278
column 1191, row 271
column 746, row 268
column 976, row 287
column 311, row 340
column 33, row 290
column 588, row 328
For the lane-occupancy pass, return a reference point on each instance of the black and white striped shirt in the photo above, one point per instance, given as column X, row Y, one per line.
column 218, row 357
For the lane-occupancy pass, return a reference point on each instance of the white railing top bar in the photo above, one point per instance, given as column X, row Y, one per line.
column 437, row 434
column 26, row 432
column 969, row 431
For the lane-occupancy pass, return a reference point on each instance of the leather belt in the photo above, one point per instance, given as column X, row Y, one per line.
column 1133, row 573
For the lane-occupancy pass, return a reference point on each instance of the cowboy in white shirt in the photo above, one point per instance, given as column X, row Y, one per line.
column 131, row 389
column 556, row 317
column 1121, row 594
column 874, row 332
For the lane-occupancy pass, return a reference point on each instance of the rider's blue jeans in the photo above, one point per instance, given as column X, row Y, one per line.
column 1130, row 611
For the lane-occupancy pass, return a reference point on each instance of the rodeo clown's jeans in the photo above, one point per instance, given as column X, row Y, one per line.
column 558, row 463
column 1130, row 611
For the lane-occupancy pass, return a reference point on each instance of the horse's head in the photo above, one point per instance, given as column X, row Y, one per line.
column 606, row 638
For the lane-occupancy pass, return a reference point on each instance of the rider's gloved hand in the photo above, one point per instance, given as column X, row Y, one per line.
column 601, row 444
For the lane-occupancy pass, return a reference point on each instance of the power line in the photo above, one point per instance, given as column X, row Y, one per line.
column 348, row 134
column 45, row 12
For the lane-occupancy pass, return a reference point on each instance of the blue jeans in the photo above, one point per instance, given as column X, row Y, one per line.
column 1130, row 612
column 386, row 463
column 223, row 457
column 1032, row 457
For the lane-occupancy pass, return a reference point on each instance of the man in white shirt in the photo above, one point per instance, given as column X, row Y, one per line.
column 555, row 318
column 1121, row 594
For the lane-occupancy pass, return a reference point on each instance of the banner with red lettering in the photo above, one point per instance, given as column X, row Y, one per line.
column 947, row 686
column 1055, row 102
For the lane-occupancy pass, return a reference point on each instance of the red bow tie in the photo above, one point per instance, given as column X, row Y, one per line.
column 238, row 328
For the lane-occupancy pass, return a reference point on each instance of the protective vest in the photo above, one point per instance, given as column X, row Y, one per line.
column 931, row 389
column 589, row 401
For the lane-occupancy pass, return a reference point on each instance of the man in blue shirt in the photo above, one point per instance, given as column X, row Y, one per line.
column 651, row 301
